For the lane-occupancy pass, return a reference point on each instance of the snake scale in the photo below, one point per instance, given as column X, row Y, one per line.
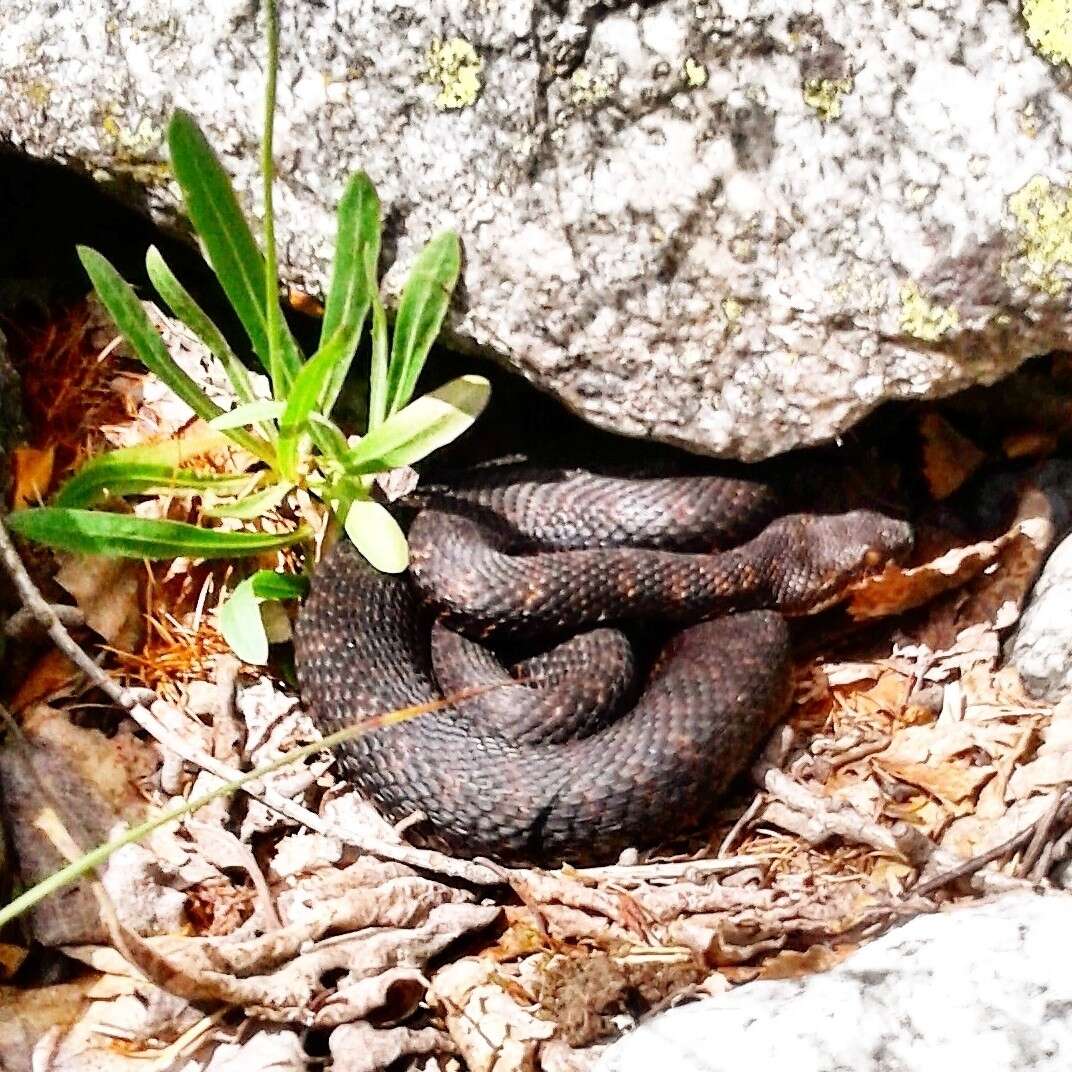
column 564, row 756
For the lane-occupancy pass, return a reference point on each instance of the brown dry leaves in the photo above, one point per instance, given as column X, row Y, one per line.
column 900, row 762
column 904, row 763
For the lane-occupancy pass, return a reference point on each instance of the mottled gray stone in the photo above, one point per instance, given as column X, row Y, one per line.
column 1041, row 647
column 984, row 987
column 734, row 226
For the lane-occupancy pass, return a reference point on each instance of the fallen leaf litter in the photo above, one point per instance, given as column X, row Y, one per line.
column 238, row 933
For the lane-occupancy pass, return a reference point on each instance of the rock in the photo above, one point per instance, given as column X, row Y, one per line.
column 1041, row 648
column 984, row 987
column 737, row 227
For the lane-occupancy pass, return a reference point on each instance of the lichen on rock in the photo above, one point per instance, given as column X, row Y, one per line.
column 824, row 95
column 608, row 203
column 1042, row 212
column 923, row 319
column 1049, row 28
column 455, row 67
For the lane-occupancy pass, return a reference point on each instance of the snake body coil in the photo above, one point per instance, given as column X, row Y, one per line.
column 540, row 764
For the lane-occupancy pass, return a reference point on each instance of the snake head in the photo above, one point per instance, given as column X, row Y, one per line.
column 825, row 553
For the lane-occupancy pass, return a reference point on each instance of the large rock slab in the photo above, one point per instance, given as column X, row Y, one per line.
column 984, row 987
column 1041, row 650
column 1041, row 647
column 736, row 227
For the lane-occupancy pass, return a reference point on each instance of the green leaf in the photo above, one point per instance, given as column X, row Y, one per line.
column 268, row 584
column 250, row 507
column 307, row 389
column 241, row 621
column 213, row 208
column 263, row 409
column 132, row 320
column 376, row 534
column 421, row 309
column 357, row 253
column 108, row 476
column 87, row 485
column 198, row 321
column 425, row 425
column 92, row 532
column 377, row 401
column 328, row 437
column 242, row 625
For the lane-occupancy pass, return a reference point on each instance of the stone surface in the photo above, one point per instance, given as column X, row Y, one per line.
column 735, row 226
column 983, row 987
column 1041, row 648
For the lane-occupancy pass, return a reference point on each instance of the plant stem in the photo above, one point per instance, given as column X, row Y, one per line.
column 377, row 401
column 273, row 314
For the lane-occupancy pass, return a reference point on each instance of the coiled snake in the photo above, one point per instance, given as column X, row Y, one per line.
column 541, row 763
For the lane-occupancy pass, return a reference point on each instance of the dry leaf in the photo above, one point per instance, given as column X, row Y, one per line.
column 52, row 676
column 951, row 783
column 361, row 1047
column 26, row 1016
column 898, row 589
column 32, row 475
column 491, row 1031
column 128, row 1024
column 1029, row 445
column 297, row 975
column 792, row 964
column 11, row 957
column 108, row 592
column 949, row 458
column 1052, row 766
column 970, row 835
column 270, row 1048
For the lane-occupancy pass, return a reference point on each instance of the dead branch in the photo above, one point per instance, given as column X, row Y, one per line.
column 637, row 874
column 1042, row 825
column 816, row 819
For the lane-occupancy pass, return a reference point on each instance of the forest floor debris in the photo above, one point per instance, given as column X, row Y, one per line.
column 291, row 919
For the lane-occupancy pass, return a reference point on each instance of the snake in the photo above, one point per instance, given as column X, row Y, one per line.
column 549, row 738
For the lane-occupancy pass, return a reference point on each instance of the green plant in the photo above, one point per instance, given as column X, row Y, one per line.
column 289, row 440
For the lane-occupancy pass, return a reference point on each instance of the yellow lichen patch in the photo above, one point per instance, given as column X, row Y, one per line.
column 923, row 319
column 694, row 73
column 1042, row 213
column 131, row 142
column 587, row 88
column 1049, row 28
column 731, row 310
column 455, row 67
column 38, row 93
column 824, row 95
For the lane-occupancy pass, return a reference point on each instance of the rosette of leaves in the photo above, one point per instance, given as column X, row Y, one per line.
column 290, row 440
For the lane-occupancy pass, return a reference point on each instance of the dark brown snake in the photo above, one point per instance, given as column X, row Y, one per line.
column 540, row 764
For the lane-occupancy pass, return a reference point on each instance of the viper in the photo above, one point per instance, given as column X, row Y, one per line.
column 563, row 751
